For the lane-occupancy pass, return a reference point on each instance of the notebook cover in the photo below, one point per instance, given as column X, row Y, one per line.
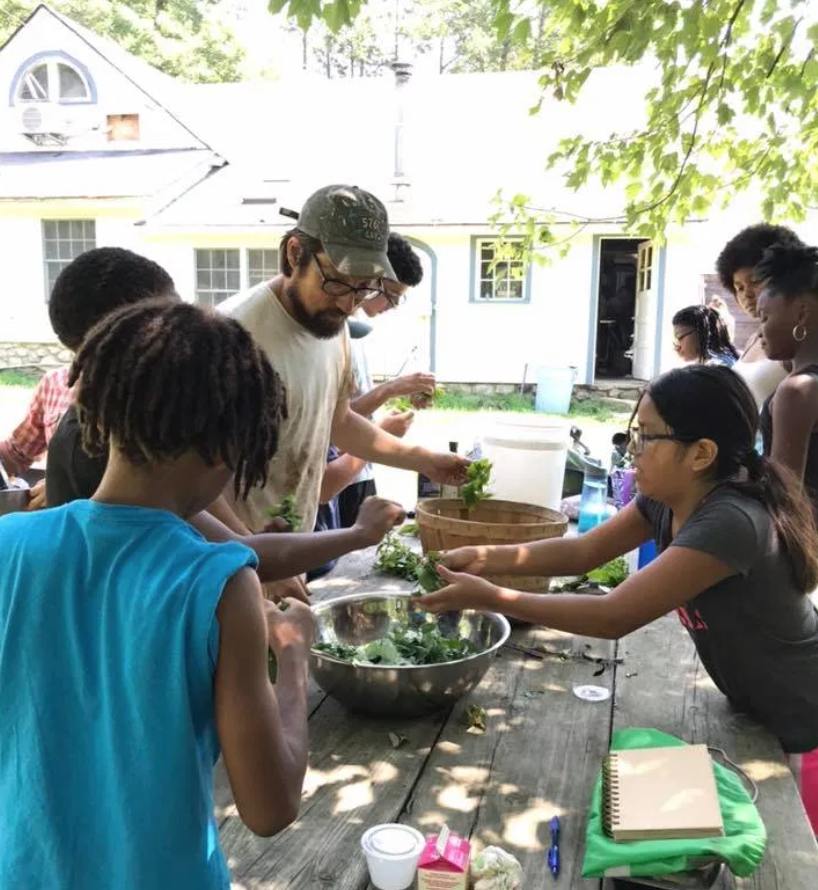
column 661, row 793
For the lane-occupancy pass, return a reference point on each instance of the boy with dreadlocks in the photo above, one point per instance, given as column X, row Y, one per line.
column 134, row 645
column 87, row 291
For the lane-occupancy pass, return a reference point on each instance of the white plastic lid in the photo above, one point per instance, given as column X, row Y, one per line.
column 393, row 840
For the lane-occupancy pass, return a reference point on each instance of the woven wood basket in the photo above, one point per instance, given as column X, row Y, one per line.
column 446, row 524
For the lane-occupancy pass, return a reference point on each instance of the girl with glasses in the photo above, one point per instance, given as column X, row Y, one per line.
column 700, row 336
column 738, row 555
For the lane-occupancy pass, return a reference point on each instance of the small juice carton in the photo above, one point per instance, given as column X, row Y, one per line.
column 444, row 863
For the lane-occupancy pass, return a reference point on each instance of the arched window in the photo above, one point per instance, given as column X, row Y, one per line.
column 52, row 77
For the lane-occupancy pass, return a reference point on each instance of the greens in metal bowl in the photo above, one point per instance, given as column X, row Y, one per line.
column 381, row 653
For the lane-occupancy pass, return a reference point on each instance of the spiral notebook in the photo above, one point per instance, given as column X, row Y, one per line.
column 660, row 793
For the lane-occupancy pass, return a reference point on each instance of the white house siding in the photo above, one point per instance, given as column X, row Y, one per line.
column 23, row 298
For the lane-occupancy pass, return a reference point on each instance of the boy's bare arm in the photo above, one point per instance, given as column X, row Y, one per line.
column 262, row 730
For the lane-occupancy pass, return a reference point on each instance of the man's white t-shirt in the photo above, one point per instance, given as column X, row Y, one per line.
column 317, row 376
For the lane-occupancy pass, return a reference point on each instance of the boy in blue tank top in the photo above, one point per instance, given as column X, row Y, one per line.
column 132, row 650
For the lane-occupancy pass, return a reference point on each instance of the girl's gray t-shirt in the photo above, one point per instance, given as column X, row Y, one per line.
column 756, row 635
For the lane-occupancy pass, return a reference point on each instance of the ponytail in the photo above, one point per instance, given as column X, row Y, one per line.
column 780, row 492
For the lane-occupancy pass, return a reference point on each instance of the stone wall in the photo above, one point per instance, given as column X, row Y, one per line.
column 36, row 355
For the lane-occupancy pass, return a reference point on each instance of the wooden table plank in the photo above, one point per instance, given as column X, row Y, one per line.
column 663, row 685
column 356, row 779
column 538, row 758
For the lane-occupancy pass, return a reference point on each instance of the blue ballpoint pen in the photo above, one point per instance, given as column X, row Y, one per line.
column 554, row 851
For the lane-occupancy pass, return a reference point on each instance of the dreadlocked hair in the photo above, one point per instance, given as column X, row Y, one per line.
column 161, row 379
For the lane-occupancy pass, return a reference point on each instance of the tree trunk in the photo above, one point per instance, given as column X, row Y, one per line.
column 304, row 49
column 504, row 54
column 440, row 66
column 540, row 30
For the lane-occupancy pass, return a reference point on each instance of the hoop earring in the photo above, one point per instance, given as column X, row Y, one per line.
column 799, row 333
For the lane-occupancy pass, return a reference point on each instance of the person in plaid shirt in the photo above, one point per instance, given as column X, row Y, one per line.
column 30, row 439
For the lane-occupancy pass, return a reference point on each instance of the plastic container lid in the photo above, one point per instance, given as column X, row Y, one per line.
column 392, row 840
column 595, row 471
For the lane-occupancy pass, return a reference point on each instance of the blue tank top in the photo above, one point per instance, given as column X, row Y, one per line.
column 108, row 648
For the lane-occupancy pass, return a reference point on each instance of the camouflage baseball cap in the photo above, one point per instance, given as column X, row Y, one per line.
column 353, row 227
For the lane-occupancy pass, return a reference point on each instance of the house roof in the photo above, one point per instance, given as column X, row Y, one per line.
column 66, row 174
column 465, row 137
column 161, row 89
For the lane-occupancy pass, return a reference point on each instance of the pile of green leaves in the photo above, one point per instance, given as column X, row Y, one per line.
column 403, row 646
column 611, row 575
column 288, row 511
column 474, row 490
column 395, row 558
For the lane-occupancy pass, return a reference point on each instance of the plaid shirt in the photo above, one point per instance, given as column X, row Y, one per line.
column 30, row 440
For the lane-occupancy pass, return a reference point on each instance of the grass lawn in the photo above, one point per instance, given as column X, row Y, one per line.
column 456, row 417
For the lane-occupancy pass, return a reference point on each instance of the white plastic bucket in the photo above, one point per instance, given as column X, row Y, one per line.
column 554, row 389
column 392, row 855
column 529, row 460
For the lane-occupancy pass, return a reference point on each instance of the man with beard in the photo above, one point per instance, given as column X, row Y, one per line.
column 334, row 260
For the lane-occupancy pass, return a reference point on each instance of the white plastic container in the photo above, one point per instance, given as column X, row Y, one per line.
column 392, row 855
column 529, row 460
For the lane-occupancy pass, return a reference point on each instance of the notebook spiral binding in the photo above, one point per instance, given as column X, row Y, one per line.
column 610, row 793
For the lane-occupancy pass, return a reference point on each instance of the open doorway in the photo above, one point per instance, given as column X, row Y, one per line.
column 616, row 307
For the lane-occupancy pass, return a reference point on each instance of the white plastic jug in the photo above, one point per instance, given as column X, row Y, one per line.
column 529, row 460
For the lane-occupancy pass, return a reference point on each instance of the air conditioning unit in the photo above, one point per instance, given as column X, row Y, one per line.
column 43, row 119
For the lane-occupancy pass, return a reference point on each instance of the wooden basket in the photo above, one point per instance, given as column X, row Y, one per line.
column 446, row 524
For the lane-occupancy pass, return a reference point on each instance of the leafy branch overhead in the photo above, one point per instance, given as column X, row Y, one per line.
column 730, row 99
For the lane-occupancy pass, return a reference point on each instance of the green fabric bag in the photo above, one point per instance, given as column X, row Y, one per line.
column 741, row 848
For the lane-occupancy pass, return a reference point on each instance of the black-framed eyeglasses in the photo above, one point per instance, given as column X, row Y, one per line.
column 639, row 439
column 334, row 287
column 677, row 341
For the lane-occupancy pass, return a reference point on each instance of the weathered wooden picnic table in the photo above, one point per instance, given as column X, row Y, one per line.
column 538, row 757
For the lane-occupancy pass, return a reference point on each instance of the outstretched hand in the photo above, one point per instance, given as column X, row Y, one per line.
column 462, row 591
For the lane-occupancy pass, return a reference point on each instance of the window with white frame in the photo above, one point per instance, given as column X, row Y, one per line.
column 63, row 241
column 53, row 80
column 500, row 270
column 218, row 275
column 262, row 265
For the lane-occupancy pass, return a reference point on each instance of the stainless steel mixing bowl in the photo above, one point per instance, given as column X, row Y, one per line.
column 399, row 691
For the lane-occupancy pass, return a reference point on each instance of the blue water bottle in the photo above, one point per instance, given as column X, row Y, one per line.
column 593, row 503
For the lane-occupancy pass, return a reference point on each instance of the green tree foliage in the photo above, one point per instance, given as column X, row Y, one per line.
column 733, row 104
column 188, row 39
column 457, row 33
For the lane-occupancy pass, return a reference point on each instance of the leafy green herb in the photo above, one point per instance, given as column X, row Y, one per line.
column 403, row 646
column 612, row 574
column 427, row 576
column 474, row 490
column 474, row 717
column 288, row 511
column 395, row 558
column 400, row 404
column 410, row 530
column 337, row 650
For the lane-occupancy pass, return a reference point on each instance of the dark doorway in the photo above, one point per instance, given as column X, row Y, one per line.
column 616, row 307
